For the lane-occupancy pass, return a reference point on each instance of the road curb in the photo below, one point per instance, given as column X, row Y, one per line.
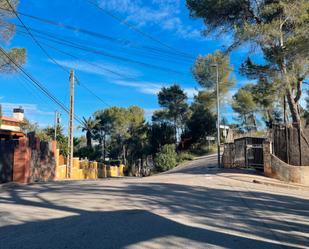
column 281, row 185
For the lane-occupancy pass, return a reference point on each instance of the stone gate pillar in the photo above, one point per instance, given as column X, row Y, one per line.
column 267, row 158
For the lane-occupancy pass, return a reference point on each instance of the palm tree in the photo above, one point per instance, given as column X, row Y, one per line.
column 88, row 125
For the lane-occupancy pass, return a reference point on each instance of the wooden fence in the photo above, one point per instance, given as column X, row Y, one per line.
column 290, row 145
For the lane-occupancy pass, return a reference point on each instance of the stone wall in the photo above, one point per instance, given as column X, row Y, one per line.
column 228, row 156
column 276, row 168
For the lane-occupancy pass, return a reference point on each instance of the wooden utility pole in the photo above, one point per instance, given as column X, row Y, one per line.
column 71, row 126
column 56, row 124
column 218, row 116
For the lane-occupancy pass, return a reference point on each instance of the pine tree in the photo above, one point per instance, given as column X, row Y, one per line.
column 278, row 27
column 7, row 31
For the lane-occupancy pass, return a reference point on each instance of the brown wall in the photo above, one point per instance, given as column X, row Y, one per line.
column 21, row 162
column 34, row 161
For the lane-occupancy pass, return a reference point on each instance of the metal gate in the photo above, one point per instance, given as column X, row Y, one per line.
column 249, row 153
column 6, row 160
column 254, row 156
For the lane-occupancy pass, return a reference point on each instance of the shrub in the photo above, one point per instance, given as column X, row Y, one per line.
column 166, row 158
column 200, row 149
column 184, row 156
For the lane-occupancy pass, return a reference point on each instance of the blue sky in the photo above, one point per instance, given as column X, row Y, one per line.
column 117, row 81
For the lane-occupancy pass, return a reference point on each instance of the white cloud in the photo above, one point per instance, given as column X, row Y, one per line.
column 164, row 14
column 144, row 87
column 101, row 68
column 152, row 88
column 30, row 109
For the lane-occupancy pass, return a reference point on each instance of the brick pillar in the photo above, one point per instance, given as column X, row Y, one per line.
column 21, row 165
column 267, row 158
column 54, row 147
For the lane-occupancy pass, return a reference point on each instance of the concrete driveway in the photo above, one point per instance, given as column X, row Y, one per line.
column 193, row 206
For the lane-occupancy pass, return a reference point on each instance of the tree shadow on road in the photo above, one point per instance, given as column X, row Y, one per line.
column 228, row 215
column 118, row 229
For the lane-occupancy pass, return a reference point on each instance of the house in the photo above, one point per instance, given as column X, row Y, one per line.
column 10, row 126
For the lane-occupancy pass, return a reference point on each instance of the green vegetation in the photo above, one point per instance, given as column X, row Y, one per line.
column 205, row 73
column 7, row 31
column 201, row 149
column 173, row 100
column 119, row 133
column 279, row 29
column 166, row 158
column 122, row 134
column 47, row 134
column 184, row 156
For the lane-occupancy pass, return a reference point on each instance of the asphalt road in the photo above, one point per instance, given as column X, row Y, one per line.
column 193, row 206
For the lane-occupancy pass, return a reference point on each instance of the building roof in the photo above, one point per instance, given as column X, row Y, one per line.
column 11, row 133
column 10, row 119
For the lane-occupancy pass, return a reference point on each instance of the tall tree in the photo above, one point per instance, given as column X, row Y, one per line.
column 102, row 129
column 117, row 122
column 160, row 134
column 244, row 104
column 202, row 122
column 278, row 27
column 174, row 101
column 88, row 126
column 7, row 31
column 47, row 134
column 27, row 126
column 205, row 73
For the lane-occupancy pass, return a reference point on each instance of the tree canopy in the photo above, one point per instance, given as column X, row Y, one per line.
column 278, row 27
column 174, row 101
column 7, row 31
column 204, row 71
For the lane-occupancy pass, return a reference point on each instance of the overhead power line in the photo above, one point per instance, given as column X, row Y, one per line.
column 47, row 54
column 110, row 55
column 149, row 52
column 137, row 30
column 114, row 40
column 38, row 84
column 34, row 39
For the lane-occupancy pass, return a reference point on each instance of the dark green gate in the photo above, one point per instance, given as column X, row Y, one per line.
column 6, row 160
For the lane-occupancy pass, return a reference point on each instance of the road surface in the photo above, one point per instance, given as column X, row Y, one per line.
column 193, row 206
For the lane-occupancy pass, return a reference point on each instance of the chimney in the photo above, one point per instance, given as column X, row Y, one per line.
column 18, row 113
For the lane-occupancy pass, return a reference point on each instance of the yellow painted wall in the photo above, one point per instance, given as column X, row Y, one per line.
column 61, row 172
column 85, row 170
